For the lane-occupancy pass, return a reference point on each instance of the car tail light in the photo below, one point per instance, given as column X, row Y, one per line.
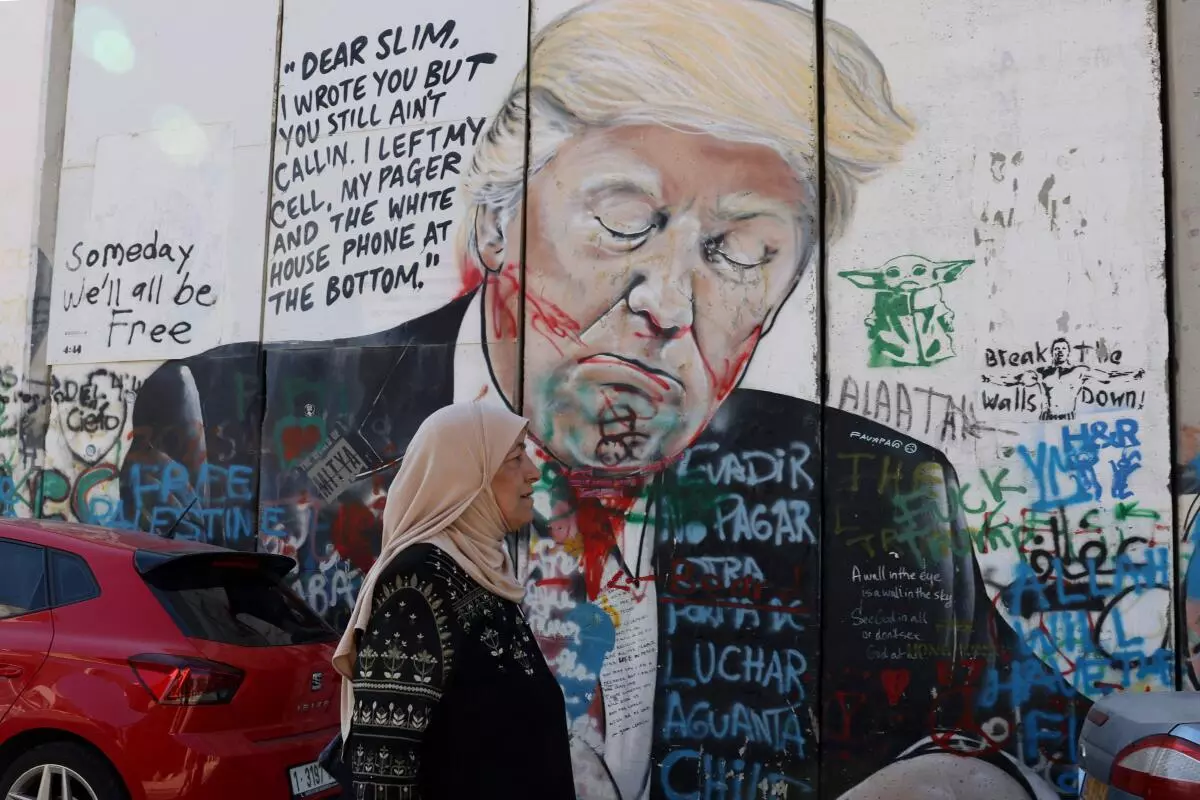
column 1097, row 717
column 1159, row 767
column 179, row 681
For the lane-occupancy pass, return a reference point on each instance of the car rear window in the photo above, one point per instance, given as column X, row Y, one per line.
column 71, row 579
column 234, row 601
column 22, row 579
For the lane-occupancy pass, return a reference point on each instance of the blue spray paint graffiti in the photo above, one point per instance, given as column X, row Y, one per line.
column 1074, row 462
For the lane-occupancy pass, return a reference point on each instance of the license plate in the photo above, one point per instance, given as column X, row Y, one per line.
column 1094, row 790
column 309, row 779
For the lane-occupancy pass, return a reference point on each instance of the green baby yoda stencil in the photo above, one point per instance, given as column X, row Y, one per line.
column 910, row 324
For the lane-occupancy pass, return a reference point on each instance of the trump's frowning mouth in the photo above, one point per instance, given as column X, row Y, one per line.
column 629, row 374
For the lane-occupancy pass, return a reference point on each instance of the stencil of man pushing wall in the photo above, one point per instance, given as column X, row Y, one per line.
column 910, row 324
column 1062, row 383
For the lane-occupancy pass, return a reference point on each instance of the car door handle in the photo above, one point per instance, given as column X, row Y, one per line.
column 10, row 671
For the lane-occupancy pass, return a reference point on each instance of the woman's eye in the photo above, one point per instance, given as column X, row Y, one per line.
column 623, row 232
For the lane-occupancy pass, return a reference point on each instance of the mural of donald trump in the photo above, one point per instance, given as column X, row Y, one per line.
column 641, row 209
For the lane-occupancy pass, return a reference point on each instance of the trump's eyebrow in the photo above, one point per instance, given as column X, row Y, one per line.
column 749, row 205
column 641, row 182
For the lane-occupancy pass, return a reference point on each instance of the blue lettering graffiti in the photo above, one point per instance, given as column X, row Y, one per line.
column 750, row 468
column 709, row 616
column 735, row 780
column 1122, row 468
column 779, row 670
column 1044, row 726
column 578, row 665
column 1025, row 675
column 161, row 494
column 9, row 497
column 778, row 728
column 784, row 522
column 1075, row 460
column 1059, row 589
column 733, row 615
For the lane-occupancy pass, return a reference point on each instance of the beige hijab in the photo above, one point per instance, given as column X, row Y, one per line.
column 443, row 495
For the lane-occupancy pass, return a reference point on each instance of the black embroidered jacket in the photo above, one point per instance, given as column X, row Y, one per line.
column 452, row 696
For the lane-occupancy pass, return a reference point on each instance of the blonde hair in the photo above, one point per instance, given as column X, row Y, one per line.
column 740, row 70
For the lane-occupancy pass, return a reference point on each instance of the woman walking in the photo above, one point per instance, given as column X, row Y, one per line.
column 447, row 695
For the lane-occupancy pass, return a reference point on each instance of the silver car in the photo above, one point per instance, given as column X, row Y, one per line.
column 1142, row 746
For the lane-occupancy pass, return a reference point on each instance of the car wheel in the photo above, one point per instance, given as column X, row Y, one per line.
column 60, row 771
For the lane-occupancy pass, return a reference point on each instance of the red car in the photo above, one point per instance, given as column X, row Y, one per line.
column 135, row 667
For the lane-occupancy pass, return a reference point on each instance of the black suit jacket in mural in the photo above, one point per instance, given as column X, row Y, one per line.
column 816, row 582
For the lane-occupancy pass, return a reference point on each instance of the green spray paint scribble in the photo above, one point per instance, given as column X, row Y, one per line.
column 910, row 324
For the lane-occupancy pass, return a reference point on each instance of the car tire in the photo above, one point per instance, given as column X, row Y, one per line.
column 82, row 765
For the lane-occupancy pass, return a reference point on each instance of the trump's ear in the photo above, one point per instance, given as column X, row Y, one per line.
column 488, row 238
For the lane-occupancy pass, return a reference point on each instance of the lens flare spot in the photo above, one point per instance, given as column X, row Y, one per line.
column 179, row 135
column 101, row 35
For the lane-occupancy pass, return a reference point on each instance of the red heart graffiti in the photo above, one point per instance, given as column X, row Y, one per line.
column 895, row 681
column 355, row 531
column 298, row 440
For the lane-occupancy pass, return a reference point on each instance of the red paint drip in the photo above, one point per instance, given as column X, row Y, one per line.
column 501, row 289
column 599, row 527
column 600, row 520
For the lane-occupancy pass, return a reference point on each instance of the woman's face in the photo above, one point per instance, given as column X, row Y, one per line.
column 513, row 486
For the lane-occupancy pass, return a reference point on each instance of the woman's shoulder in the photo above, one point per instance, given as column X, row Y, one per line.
column 424, row 564
column 421, row 569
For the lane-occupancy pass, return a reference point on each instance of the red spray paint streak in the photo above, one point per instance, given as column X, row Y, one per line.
column 895, row 681
column 472, row 276
column 589, row 520
column 848, row 703
column 944, row 737
column 352, row 531
column 601, row 521
column 541, row 315
column 636, row 587
column 357, row 528
column 502, row 289
column 727, row 380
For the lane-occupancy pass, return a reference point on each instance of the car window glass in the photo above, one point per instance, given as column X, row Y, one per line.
column 22, row 579
column 236, row 605
column 72, row 579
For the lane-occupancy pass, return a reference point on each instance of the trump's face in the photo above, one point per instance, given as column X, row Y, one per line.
column 654, row 260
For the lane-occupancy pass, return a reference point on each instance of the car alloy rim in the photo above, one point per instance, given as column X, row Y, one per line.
column 50, row 782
